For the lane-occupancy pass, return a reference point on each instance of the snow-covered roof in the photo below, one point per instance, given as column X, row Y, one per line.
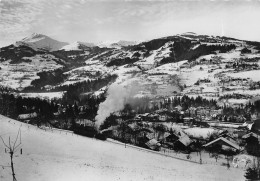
column 56, row 113
column 153, row 143
column 145, row 114
column 133, row 126
column 251, row 134
column 248, row 125
column 188, row 118
column 200, row 132
column 185, row 140
column 27, row 116
column 224, row 140
column 111, row 128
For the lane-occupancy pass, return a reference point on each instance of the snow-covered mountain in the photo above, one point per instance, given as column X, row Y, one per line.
column 78, row 46
column 41, row 42
column 188, row 63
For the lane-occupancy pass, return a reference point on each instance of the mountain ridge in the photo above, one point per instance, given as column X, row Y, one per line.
column 161, row 66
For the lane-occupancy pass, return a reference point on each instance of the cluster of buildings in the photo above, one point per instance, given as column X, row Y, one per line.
column 194, row 129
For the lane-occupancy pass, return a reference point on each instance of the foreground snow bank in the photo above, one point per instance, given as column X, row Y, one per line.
column 63, row 156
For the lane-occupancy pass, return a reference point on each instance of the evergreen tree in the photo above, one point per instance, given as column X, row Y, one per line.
column 252, row 173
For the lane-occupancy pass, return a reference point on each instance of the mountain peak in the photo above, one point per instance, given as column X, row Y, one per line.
column 41, row 42
column 34, row 37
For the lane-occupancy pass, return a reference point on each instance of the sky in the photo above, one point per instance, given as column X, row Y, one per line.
column 134, row 20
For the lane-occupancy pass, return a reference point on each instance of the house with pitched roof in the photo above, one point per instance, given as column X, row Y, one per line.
column 223, row 144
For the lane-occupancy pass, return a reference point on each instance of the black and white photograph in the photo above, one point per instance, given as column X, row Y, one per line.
column 129, row 90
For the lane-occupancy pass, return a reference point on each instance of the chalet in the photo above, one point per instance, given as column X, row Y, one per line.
column 85, row 122
column 150, row 117
column 170, row 139
column 141, row 133
column 185, row 65
column 183, row 142
column 188, row 121
column 252, row 135
column 164, row 115
column 228, row 136
column 223, row 144
column 29, row 116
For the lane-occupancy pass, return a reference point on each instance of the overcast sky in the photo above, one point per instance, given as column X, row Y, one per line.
column 96, row 21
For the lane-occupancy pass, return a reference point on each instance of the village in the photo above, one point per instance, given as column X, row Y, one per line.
column 202, row 134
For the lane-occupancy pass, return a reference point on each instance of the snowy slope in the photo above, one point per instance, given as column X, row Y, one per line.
column 19, row 76
column 61, row 156
column 162, row 66
column 77, row 46
column 41, row 42
column 116, row 44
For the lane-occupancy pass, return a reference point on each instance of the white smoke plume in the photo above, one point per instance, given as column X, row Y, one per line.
column 117, row 96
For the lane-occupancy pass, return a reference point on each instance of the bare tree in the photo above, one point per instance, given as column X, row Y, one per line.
column 12, row 149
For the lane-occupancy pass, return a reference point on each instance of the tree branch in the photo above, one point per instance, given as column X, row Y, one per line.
column 16, row 138
column 10, row 147
column 4, row 142
column 14, row 149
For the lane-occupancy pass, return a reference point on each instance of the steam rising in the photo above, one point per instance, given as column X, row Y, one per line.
column 117, row 97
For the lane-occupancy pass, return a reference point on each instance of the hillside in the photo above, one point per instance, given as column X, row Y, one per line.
column 55, row 155
column 213, row 67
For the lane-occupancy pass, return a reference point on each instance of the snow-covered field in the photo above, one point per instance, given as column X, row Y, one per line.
column 58, row 156
column 46, row 95
column 18, row 76
column 253, row 74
